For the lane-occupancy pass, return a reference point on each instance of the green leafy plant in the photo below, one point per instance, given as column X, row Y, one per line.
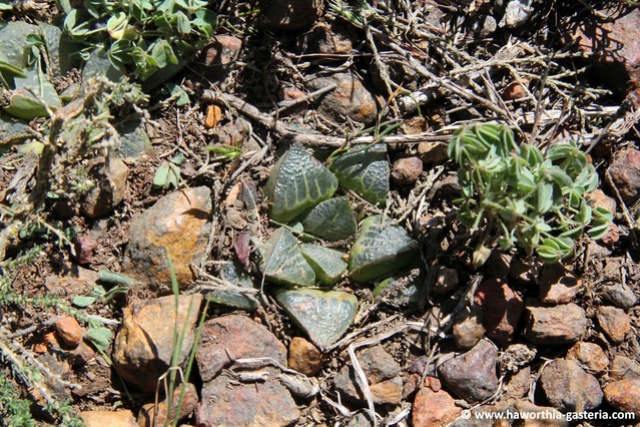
column 148, row 34
column 515, row 195
column 168, row 174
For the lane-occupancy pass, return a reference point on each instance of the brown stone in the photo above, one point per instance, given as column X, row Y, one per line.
column 221, row 55
column 472, row 375
column 599, row 199
column 123, row 418
column 625, row 173
column 614, row 45
column 230, row 403
column 69, row 330
column 432, row 152
column 406, row 171
column 558, row 324
column 589, row 355
column 517, row 385
column 110, row 176
column 623, row 368
column 238, row 337
column 557, row 285
column 85, row 245
column 434, row 408
column 569, row 388
column 178, row 224
column 149, row 416
column 144, row 345
column 383, row 377
column 305, row 357
column 468, row 329
column 349, row 99
column 324, row 38
column 614, row 322
column 624, row 395
column 501, row 309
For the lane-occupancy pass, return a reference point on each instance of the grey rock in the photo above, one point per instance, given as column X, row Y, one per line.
column 382, row 373
column 619, row 295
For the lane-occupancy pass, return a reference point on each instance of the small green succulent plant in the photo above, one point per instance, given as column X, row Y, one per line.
column 518, row 196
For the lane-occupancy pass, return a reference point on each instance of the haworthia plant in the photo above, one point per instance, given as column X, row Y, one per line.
column 298, row 182
column 326, row 263
column 323, row 315
column 380, row 249
column 332, row 220
column 284, row 263
column 365, row 170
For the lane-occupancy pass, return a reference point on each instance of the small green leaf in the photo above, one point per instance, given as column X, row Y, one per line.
column 100, row 337
column 83, row 301
column 297, row 182
column 365, row 170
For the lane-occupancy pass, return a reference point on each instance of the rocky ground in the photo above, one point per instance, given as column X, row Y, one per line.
column 434, row 346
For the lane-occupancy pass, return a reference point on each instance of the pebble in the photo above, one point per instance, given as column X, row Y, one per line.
column 305, row 357
column 619, row 295
column 624, row 368
column 625, row 173
column 502, row 308
column 517, row 385
column 123, row 418
column 434, row 408
column 325, row 38
column 146, row 417
column 221, row 56
column 69, row 330
column 472, row 375
column 557, row 285
column 614, row 322
column 406, row 171
column 468, row 329
column 446, row 281
column 432, row 152
column 569, row 388
column 179, row 224
column 143, row 347
column 382, row 373
column 599, row 199
column 85, row 245
column 82, row 354
column 238, row 337
column 624, row 395
column 589, row 355
column 349, row 99
column 110, row 176
column 514, row 91
column 228, row 402
column 522, row 273
column 289, row 15
column 559, row 324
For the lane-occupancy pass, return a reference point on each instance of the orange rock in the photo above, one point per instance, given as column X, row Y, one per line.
column 69, row 330
column 434, row 408
column 178, row 224
column 122, row 418
column 304, row 357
